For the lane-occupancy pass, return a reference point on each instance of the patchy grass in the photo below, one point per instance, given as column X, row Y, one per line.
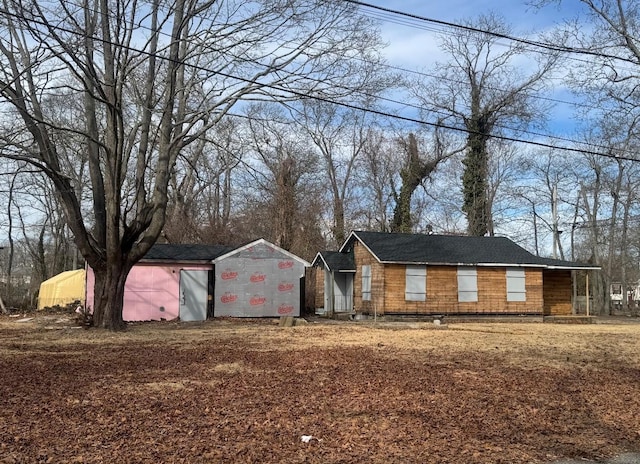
column 246, row 391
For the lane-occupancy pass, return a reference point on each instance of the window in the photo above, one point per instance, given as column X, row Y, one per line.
column 366, row 283
column 467, row 284
column 516, row 290
column 415, row 288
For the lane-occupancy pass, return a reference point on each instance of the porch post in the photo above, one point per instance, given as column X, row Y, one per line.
column 332, row 297
column 587, row 292
column 574, row 292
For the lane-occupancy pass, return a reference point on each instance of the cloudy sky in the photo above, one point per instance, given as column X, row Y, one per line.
column 413, row 44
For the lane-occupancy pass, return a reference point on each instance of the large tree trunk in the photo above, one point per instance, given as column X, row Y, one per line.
column 412, row 175
column 109, row 295
column 338, row 221
column 476, row 172
column 285, row 203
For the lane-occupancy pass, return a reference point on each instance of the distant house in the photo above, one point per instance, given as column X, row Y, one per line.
column 416, row 274
column 193, row 282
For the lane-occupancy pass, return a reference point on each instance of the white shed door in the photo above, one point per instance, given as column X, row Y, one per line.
column 193, row 295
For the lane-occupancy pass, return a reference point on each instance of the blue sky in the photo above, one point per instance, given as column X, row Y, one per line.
column 416, row 48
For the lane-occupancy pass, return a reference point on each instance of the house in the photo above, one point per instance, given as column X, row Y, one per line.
column 415, row 274
column 193, row 282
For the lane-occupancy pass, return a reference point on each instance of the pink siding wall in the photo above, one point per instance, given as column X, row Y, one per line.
column 151, row 292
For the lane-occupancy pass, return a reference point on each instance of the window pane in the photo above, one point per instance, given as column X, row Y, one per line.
column 366, row 283
column 467, row 284
column 516, row 285
column 415, row 283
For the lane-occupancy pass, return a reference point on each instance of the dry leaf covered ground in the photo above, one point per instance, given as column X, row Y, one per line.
column 248, row 391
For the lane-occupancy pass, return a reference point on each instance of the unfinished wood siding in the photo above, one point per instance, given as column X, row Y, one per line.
column 394, row 288
column 492, row 293
column 362, row 257
column 442, row 292
column 319, row 285
column 557, row 292
column 534, row 288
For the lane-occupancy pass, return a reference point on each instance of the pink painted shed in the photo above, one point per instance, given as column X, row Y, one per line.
column 194, row 282
column 172, row 281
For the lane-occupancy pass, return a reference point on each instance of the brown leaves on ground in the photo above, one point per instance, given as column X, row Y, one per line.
column 247, row 391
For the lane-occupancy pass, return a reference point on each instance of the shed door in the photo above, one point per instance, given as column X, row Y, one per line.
column 193, row 295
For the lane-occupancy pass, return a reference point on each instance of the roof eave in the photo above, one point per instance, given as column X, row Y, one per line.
column 575, row 268
column 536, row 265
column 174, row 261
column 304, row 262
column 353, row 234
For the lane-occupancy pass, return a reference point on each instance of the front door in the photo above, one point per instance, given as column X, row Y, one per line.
column 343, row 292
column 338, row 292
column 193, row 295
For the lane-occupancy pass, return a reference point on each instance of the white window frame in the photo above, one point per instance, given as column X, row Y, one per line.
column 366, row 282
column 516, row 284
column 467, row 285
column 415, row 285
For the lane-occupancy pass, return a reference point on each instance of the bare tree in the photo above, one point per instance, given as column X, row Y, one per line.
column 609, row 31
column 283, row 180
column 200, row 195
column 417, row 168
column 339, row 135
column 152, row 78
column 376, row 179
column 483, row 90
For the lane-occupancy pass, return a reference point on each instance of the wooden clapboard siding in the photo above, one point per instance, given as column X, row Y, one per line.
column 319, row 283
column 394, row 288
column 363, row 257
column 533, row 287
column 492, row 292
column 557, row 292
column 442, row 292
column 442, row 289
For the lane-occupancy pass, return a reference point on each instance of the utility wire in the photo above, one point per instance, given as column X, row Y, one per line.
column 424, row 74
column 303, row 95
column 533, row 43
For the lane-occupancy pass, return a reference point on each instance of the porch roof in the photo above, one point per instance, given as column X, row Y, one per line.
column 336, row 261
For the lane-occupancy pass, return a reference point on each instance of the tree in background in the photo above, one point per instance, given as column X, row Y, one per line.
column 417, row 168
column 339, row 136
column 483, row 90
column 152, row 78
column 604, row 76
column 281, row 185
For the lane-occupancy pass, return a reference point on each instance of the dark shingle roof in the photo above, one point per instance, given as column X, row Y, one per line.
column 337, row 261
column 185, row 252
column 450, row 249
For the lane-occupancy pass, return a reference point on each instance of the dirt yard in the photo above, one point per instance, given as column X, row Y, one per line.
column 250, row 391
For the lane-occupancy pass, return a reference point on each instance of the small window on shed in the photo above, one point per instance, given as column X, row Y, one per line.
column 415, row 288
column 467, row 284
column 366, row 282
column 516, row 290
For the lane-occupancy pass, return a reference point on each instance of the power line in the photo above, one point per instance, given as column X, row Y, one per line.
column 533, row 43
column 302, row 95
column 424, row 74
